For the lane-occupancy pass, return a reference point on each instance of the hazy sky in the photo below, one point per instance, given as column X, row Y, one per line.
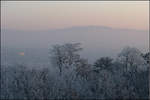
column 44, row 15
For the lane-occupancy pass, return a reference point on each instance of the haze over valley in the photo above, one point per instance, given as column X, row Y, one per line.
column 97, row 41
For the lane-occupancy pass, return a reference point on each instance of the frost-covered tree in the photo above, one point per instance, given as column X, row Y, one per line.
column 103, row 63
column 72, row 67
column 146, row 56
column 123, row 78
column 132, row 57
column 64, row 56
column 135, row 68
column 83, row 68
column 17, row 79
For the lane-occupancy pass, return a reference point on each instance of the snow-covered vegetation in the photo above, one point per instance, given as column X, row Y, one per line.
column 69, row 76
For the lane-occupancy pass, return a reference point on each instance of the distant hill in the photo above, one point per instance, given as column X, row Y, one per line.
column 96, row 40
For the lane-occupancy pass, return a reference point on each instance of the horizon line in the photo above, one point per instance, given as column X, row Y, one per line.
column 69, row 27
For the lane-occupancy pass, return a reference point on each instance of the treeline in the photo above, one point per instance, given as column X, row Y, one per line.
column 71, row 77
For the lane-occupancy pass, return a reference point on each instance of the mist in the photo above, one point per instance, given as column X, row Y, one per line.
column 97, row 41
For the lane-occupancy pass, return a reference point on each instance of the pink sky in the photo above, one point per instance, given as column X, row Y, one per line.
column 43, row 15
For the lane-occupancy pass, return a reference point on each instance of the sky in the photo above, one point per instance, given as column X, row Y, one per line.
column 45, row 15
